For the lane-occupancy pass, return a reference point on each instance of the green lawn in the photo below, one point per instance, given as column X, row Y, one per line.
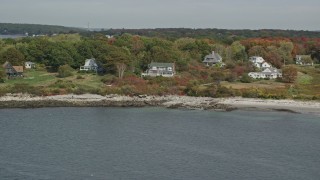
column 304, row 78
column 33, row 78
column 89, row 80
column 43, row 78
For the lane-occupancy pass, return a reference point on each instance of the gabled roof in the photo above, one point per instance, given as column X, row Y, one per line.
column 213, row 57
column 6, row 64
column 18, row 69
column 156, row 64
column 271, row 70
column 91, row 62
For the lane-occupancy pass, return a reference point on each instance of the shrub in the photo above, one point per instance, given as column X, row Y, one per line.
column 80, row 77
column 250, row 93
column 2, row 75
column 246, row 78
column 231, row 77
column 25, row 88
column 65, row 84
column 65, row 71
column 223, row 91
column 109, row 79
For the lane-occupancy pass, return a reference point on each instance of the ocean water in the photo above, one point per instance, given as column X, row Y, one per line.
column 157, row 143
column 2, row 36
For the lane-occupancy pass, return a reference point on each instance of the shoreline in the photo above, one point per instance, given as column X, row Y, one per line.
column 172, row 101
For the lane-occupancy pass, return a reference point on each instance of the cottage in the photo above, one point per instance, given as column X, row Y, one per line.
column 270, row 73
column 29, row 65
column 212, row 59
column 90, row 65
column 259, row 62
column 13, row 71
column 304, row 60
column 160, row 69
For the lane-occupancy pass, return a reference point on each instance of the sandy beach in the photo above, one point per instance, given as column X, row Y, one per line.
column 206, row 103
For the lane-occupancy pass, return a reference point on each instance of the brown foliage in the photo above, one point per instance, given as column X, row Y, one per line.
column 289, row 74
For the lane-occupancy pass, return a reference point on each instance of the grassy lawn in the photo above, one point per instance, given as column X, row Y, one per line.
column 309, row 80
column 257, row 84
column 89, row 80
column 43, row 78
column 304, row 78
column 33, row 78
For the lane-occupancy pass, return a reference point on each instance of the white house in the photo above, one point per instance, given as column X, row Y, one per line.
column 89, row 65
column 29, row 65
column 256, row 59
column 259, row 62
column 265, row 65
column 271, row 73
column 160, row 69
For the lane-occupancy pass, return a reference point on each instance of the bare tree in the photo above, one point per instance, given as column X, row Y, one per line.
column 121, row 67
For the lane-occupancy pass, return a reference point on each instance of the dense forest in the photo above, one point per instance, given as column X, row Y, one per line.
column 37, row 29
column 67, row 52
column 223, row 35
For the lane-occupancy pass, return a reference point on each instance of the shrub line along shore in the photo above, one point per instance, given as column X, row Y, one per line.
column 172, row 101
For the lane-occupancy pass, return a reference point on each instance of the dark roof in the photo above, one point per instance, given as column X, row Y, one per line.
column 6, row 64
column 213, row 57
column 161, row 64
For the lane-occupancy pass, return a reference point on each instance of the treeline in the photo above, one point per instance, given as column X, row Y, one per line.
column 136, row 52
column 223, row 35
column 37, row 29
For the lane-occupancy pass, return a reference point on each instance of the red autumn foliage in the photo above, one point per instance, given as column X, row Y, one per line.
column 265, row 42
column 239, row 70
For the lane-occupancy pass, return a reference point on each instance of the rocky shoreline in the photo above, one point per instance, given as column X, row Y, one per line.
column 91, row 100
column 204, row 103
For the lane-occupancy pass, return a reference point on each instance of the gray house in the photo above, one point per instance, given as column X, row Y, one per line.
column 12, row 71
column 90, row 65
column 212, row 59
column 160, row 69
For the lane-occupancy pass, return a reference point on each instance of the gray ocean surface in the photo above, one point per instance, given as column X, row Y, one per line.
column 11, row 36
column 157, row 143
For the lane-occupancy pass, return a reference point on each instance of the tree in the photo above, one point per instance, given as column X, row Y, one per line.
column 121, row 67
column 285, row 51
column 257, row 51
column 58, row 57
column 289, row 74
column 238, row 51
column 307, row 60
column 218, row 76
column 14, row 56
column 273, row 56
column 2, row 74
